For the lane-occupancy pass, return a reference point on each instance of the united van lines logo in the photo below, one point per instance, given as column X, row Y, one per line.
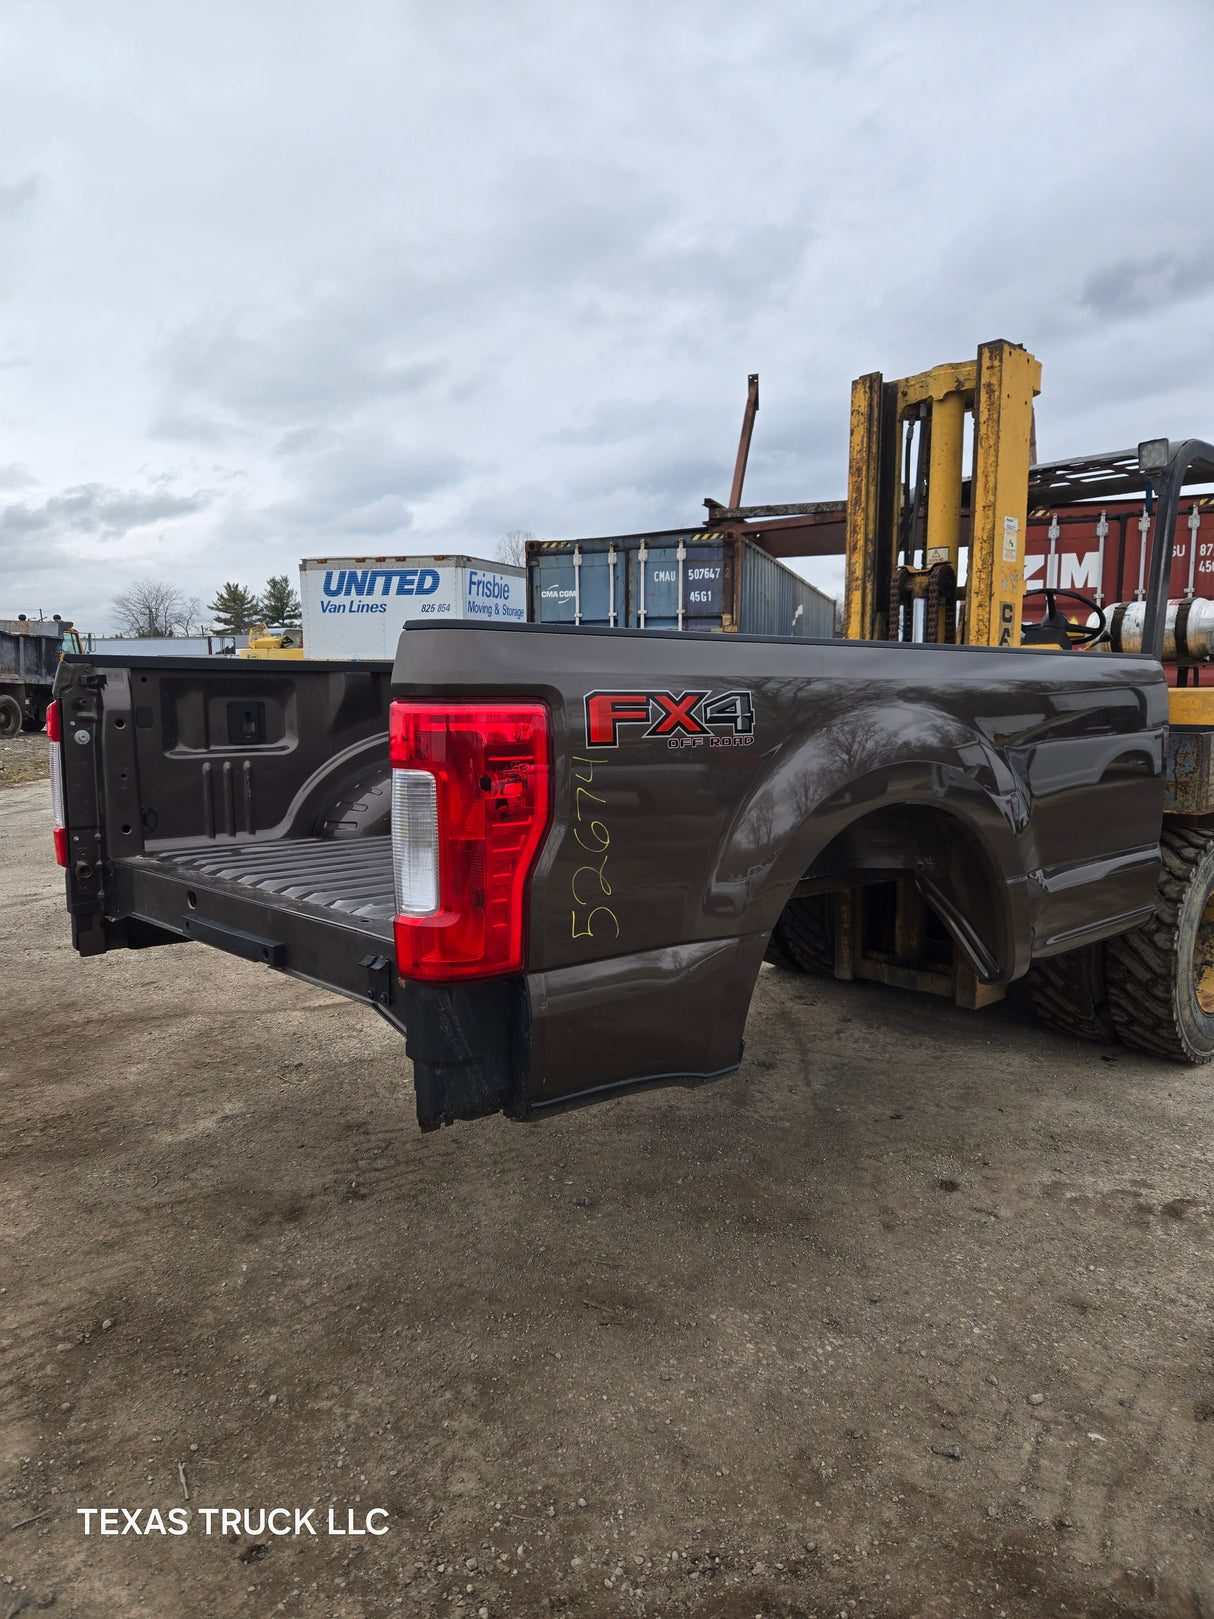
column 691, row 719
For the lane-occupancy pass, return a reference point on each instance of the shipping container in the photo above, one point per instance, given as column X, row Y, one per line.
column 681, row 579
column 1104, row 552
column 356, row 607
column 164, row 646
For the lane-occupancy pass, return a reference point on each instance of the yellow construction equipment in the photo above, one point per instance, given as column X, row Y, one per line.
column 277, row 644
column 905, row 499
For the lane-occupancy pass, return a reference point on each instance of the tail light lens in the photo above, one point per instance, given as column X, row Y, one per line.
column 54, row 731
column 471, row 802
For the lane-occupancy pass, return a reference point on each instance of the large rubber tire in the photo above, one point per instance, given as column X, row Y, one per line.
column 1069, row 994
column 776, row 953
column 10, row 715
column 804, row 937
column 1160, row 975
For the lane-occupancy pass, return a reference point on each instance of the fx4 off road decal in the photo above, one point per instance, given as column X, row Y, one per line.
column 690, row 719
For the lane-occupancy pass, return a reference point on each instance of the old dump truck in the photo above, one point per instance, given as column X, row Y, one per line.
column 555, row 857
column 29, row 656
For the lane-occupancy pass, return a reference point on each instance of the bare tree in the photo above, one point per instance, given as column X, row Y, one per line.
column 512, row 549
column 149, row 607
column 762, row 819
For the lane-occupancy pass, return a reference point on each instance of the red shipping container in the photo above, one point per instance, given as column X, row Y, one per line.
column 1065, row 548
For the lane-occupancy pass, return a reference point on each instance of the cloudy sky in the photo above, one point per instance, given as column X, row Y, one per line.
column 286, row 279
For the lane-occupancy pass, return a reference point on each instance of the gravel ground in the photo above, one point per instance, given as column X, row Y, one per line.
column 911, row 1317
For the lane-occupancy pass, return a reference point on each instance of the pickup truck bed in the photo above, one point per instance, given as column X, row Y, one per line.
column 232, row 775
column 691, row 788
column 354, row 879
column 310, row 900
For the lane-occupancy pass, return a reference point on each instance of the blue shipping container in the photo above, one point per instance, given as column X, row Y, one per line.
column 681, row 580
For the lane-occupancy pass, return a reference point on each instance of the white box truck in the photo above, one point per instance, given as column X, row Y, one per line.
column 355, row 607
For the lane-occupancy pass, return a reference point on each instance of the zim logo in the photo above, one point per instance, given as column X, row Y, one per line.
column 691, row 714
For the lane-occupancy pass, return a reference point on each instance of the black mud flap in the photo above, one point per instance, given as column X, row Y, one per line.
column 468, row 1044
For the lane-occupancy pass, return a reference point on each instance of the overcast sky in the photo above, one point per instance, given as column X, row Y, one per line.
column 293, row 279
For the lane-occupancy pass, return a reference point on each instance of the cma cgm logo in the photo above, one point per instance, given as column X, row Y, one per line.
column 689, row 719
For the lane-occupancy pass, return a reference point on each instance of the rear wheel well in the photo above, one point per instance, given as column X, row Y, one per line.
column 945, row 859
column 361, row 808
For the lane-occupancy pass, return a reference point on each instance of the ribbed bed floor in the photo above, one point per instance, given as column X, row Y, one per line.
column 353, row 875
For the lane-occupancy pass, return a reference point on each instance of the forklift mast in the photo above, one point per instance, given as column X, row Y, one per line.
column 911, row 509
column 906, row 497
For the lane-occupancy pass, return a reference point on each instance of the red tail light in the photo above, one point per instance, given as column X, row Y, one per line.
column 54, row 731
column 471, row 801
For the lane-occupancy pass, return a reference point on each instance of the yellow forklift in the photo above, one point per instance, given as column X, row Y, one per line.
column 912, row 513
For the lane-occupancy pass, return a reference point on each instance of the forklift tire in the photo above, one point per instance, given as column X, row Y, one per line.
column 1069, row 995
column 804, row 937
column 1161, row 976
column 10, row 716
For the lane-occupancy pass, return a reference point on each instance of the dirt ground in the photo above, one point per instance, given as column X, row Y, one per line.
column 23, row 757
column 911, row 1317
